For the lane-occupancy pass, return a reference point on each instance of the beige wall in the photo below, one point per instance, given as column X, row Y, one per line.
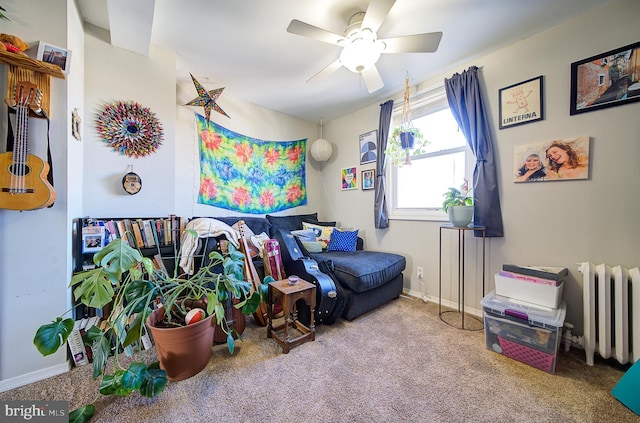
column 552, row 223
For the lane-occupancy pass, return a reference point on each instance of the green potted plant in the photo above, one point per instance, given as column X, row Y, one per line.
column 406, row 138
column 130, row 284
column 400, row 153
column 458, row 204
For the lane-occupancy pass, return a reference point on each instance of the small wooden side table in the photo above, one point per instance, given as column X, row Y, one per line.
column 291, row 332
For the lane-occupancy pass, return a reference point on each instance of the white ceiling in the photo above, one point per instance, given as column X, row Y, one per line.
column 244, row 46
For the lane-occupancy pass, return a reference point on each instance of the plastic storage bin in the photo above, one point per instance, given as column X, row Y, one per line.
column 530, row 292
column 525, row 333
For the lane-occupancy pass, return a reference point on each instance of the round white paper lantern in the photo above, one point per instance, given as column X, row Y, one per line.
column 321, row 150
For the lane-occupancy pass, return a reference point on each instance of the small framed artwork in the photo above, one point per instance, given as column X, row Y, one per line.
column 368, row 179
column 349, row 178
column 561, row 159
column 56, row 55
column 606, row 80
column 368, row 147
column 521, row 103
column 92, row 238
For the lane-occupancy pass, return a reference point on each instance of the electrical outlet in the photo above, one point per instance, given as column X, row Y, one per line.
column 419, row 272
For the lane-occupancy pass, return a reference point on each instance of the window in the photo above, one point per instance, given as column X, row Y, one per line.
column 415, row 191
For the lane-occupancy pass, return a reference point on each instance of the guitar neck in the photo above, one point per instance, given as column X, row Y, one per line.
column 21, row 135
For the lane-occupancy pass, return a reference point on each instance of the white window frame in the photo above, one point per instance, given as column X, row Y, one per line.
column 425, row 102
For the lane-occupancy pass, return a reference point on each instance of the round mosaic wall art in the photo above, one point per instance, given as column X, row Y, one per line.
column 130, row 129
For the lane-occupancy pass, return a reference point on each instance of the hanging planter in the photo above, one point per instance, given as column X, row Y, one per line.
column 406, row 140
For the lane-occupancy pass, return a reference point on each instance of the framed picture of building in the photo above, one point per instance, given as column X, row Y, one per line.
column 606, row 80
column 521, row 103
column 55, row 55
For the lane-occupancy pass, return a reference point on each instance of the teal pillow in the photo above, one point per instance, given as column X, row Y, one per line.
column 312, row 246
column 343, row 240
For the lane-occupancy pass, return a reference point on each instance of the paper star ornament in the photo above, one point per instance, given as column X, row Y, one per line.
column 207, row 99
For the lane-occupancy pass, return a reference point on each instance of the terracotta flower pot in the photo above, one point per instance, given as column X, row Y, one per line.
column 182, row 351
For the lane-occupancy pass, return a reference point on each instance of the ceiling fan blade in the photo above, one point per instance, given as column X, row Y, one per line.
column 327, row 70
column 376, row 12
column 307, row 30
column 418, row 43
column 372, row 79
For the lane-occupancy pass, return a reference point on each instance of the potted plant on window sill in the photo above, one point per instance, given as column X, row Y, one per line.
column 458, row 204
column 130, row 284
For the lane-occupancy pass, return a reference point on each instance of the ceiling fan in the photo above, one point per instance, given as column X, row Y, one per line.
column 361, row 47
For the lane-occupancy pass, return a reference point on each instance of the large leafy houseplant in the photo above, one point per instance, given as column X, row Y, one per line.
column 127, row 281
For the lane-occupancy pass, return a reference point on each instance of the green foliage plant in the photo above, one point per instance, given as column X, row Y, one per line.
column 400, row 156
column 458, row 197
column 129, row 282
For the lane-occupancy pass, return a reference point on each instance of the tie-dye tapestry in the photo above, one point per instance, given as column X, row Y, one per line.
column 249, row 175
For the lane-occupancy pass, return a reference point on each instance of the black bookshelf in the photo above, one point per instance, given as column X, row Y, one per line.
column 160, row 241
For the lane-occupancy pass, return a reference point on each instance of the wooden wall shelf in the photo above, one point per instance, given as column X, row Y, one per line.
column 21, row 61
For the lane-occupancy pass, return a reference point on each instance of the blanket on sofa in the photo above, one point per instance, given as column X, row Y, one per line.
column 204, row 227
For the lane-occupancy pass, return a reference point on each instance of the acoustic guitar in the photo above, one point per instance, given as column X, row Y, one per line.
column 23, row 176
column 252, row 276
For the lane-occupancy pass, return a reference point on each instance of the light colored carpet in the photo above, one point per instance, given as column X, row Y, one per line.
column 399, row 362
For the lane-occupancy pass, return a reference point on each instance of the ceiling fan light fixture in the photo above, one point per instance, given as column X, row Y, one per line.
column 361, row 53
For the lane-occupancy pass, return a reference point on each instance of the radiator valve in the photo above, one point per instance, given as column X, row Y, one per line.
column 567, row 337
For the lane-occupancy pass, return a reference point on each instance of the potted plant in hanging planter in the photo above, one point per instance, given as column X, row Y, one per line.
column 140, row 295
column 404, row 143
column 458, row 204
column 406, row 140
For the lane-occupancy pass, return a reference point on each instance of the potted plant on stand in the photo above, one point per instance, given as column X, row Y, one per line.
column 139, row 294
column 406, row 138
column 458, row 204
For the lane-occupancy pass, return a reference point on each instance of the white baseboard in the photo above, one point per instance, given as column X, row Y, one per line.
column 428, row 298
column 16, row 382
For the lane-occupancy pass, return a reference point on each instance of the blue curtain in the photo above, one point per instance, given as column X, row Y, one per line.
column 465, row 102
column 380, row 206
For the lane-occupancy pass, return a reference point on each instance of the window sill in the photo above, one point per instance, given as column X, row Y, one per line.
column 440, row 217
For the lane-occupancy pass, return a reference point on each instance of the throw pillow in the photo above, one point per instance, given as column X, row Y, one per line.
column 312, row 246
column 343, row 240
column 305, row 235
column 323, row 233
column 316, row 222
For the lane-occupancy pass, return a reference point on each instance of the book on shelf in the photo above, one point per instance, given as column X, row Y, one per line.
column 76, row 345
column 137, row 234
column 86, row 324
column 556, row 274
column 159, row 231
column 148, row 233
column 158, row 263
column 122, row 230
